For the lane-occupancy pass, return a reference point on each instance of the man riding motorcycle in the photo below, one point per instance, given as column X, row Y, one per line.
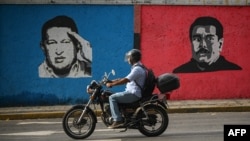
column 132, row 91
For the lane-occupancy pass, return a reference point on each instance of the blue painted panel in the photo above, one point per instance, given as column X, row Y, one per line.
column 109, row 29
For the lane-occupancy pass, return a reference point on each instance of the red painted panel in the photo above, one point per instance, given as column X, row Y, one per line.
column 165, row 45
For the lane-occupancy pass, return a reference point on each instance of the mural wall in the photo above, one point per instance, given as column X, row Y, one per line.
column 49, row 53
column 206, row 46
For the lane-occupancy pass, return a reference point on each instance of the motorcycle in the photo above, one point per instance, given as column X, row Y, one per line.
column 148, row 115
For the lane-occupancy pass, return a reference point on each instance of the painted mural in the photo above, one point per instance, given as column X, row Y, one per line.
column 206, row 36
column 50, row 53
column 206, row 46
column 67, row 53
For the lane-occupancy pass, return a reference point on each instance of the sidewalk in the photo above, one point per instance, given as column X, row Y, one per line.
column 174, row 106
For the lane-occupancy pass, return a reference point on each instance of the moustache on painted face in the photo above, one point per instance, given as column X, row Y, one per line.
column 202, row 50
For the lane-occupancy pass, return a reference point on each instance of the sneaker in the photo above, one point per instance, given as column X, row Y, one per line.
column 115, row 124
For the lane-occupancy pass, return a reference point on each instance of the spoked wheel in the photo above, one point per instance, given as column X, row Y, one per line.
column 80, row 130
column 156, row 123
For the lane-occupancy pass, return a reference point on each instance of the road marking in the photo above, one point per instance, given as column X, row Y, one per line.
column 26, row 123
column 35, row 133
column 46, row 133
column 41, row 122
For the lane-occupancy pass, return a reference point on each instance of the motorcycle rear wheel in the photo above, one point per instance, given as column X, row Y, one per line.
column 82, row 130
column 157, row 122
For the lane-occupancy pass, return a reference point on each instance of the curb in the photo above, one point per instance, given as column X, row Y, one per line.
column 174, row 106
column 31, row 115
column 60, row 114
column 211, row 109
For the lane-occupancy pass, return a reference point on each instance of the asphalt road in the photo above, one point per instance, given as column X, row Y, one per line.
column 182, row 127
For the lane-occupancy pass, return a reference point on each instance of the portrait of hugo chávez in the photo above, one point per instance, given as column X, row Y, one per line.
column 206, row 36
column 67, row 54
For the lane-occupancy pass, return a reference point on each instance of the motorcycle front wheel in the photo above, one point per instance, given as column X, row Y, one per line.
column 156, row 123
column 80, row 130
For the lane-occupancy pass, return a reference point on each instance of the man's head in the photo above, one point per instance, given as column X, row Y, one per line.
column 58, row 46
column 133, row 56
column 206, row 35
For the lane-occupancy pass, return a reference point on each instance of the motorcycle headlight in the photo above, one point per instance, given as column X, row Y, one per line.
column 89, row 90
column 91, row 87
column 93, row 84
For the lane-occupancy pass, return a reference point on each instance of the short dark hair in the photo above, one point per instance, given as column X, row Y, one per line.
column 206, row 21
column 58, row 21
column 135, row 55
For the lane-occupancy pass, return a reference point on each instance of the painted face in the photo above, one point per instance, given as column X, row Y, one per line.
column 59, row 48
column 206, row 46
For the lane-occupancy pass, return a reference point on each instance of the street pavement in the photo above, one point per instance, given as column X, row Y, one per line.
column 174, row 106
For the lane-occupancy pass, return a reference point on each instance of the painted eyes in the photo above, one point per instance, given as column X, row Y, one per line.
column 64, row 41
column 206, row 38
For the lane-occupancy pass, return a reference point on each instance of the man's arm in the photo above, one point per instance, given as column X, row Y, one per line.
column 117, row 82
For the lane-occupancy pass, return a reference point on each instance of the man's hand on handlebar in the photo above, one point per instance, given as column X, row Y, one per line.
column 118, row 81
column 109, row 84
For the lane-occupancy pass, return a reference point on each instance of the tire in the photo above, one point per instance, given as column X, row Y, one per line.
column 82, row 130
column 157, row 122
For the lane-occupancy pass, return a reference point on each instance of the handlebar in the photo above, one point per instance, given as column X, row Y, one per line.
column 105, row 79
column 94, row 84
